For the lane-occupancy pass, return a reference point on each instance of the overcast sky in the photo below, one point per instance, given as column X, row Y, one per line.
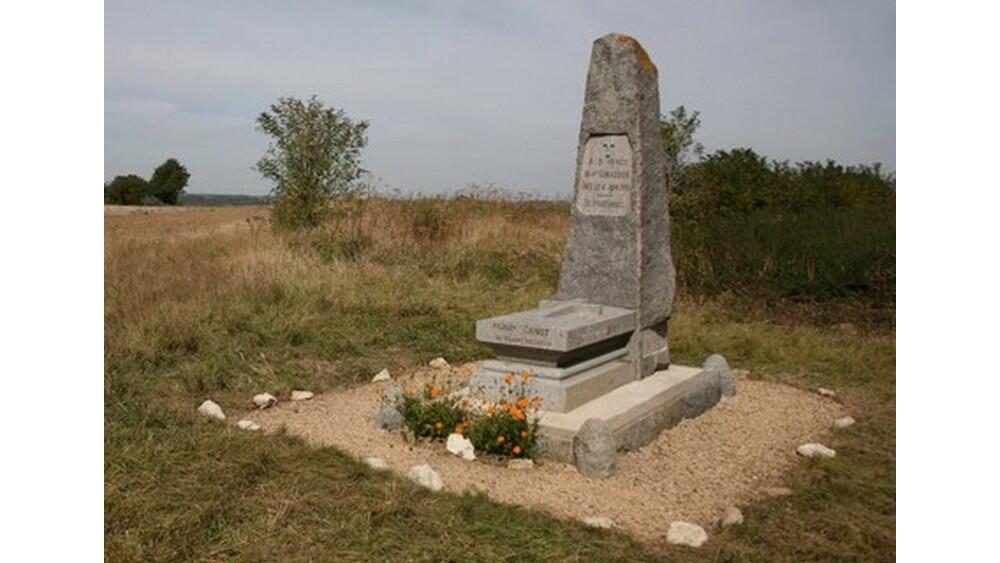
column 486, row 92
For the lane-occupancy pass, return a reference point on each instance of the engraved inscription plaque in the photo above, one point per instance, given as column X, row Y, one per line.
column 605, row 177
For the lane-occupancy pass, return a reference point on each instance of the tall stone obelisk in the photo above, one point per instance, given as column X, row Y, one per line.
column 618, row 251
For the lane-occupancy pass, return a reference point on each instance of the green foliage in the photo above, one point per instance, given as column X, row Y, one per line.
column 433, row 417
column 677, row 132
column 168, row 181
column 503, row 434
column 739, row 181
column 314, row 155
column 506, row 429
column 812, row 231
column 125, row 190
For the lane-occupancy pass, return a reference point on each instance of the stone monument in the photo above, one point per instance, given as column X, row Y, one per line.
column 591, row 349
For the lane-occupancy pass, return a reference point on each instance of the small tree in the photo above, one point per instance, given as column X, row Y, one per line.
column 314, row 155
column 125, row 190
column 677, row 132
column 168, row 181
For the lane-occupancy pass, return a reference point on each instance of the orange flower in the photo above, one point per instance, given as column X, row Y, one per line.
column 438, row 425
column 525, row 375
column 459, row 429
column 516, row 450
column 509, row 378
column 517, row 413
column 501, row 439
column 524, row 433
column 523, row 403
column 434, row 391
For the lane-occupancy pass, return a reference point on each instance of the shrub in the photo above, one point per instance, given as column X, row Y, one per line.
column 506, row 428
column 431, row 415
column 168, row 181
column 314, row 155
column 126, row 190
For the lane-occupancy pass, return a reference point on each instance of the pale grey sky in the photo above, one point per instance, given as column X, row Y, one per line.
column 487, row 92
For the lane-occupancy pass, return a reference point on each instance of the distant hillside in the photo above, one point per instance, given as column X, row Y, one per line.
column 222, row 200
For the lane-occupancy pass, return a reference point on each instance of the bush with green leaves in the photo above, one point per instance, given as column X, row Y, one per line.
column 314, row 155
column 506, row 428
column 504, row 434
column 431, row 415
column 168, row 181
column 125, row 190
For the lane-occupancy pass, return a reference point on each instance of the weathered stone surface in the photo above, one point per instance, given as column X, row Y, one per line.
column 686, row 533
column 727, row 382
column 389, row 417
column 425, row 476
column 376, row 463
column 382, row 376
column 844, row 422
column 211, row 409
column 637, row 412
column 595, row 450
column 392, row 395
column 618, row 250
column 461, row 446
column 556, row 326
column 264, row 400
column 731, row 516
column 815, row 450
column 302, row 395
column 599, row 522
column 248, row 425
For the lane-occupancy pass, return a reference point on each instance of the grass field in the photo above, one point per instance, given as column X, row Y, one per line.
column 211, row 303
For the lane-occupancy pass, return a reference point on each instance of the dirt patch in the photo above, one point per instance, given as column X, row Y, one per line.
column 729, row 455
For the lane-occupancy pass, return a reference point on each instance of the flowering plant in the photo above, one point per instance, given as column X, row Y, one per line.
column 507, row 428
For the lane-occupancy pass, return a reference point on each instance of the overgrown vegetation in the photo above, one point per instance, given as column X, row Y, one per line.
column 767, row 230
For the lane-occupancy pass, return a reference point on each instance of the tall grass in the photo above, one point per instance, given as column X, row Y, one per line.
column 213, row 303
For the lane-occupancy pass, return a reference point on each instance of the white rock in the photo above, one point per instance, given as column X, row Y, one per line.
column 424, row 476
column 844, row 422
column 686, row 533
column 376, row 463
column 438, row 363
column 520, row 463
column 382, row 376
column 826, row 392
column 264, row 400
column 211, row 409
column 815, row 450
column 461, row 446
column 599, row 522
column 730, row 517
column 302, row 395
column 247, row 424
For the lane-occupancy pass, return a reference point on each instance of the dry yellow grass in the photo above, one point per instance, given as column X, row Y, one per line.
column 212, row 303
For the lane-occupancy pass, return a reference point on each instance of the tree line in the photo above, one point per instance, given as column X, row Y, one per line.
column 163, row 187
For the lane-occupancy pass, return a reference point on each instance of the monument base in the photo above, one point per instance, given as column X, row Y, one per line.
column 636, row 413
column 560, row 389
